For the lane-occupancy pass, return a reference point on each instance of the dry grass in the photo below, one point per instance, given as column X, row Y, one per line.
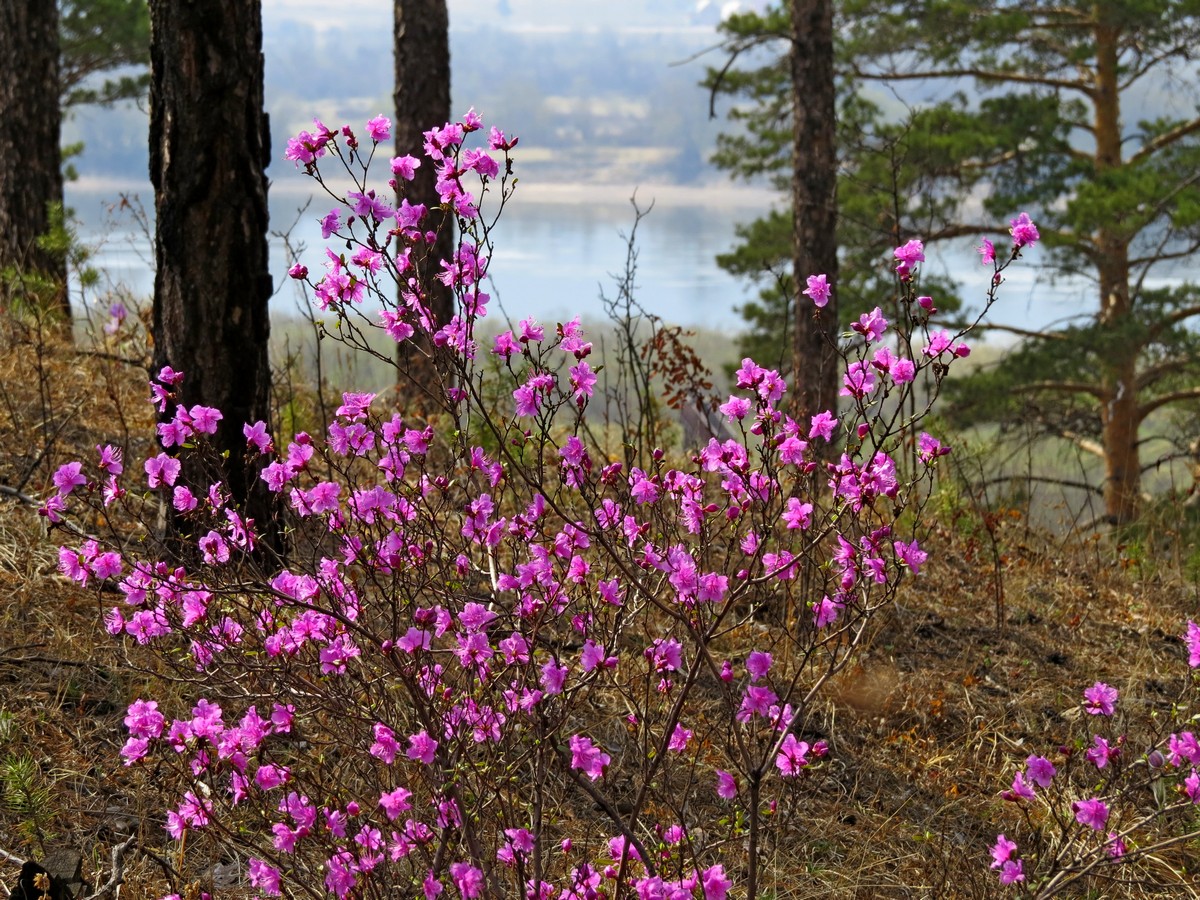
column 925, row 729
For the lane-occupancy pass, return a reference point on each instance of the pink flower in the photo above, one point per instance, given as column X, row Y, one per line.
column 797, row 514
column 680, row 738
column 1192, row 639
column 871, row 325
column 1012, row 871
column 903, row 370
column 757, row 701
column 1020, row 790
column 144, row 720
column 1100, row 752
column 822, row 424
column 529, row 330
column 714, row 883
column 264, row 877
column 642, row 488
column 583, row 381
column 912, row 252
column 554, row 677
column 758, row 664
column 1191, row 787
column 1100, row 699
column 162, row 469
column 329, row 225
column 1093, row 813
column 941, row 342
column 792, row 756
column 987, row 252
column 735, row 408
column 422, row 747
column 405, row 167
column 468, row 880
column 256, row 436
column 68, row 477
column 205, row 419
column 930, row 448
column 380, row 129
column 1023, row 231
column 111, row 459
column 910, row 555
column 270, row 776
column 55, row 506
column 727, row 787
column 1002, row 851
column 818, row 289
column 385, row 746
column 825, row 612
column 1040, row 770
column 528, row 401
column 587, row 757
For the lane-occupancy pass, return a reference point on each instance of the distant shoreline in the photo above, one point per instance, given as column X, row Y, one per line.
column 723, row 196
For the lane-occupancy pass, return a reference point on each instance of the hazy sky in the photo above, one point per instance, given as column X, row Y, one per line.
column 525, row 15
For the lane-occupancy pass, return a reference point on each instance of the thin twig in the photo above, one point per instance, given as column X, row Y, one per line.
column 117, row 878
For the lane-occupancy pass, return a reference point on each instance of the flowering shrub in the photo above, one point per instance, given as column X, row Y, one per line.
column 1106, row 798
column 495, row 661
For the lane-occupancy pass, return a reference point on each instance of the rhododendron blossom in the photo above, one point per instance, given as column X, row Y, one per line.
column 515, row 598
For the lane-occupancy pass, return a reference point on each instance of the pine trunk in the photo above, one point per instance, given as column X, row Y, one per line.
column 422, row 99
column 209, row 145
column 30, row 160
column 1119, row 415
column 814, row 204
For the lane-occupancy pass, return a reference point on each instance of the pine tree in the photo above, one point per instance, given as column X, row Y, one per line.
column 422, row 94
column 1039, row 120
column 31, row 183
column 209, row 147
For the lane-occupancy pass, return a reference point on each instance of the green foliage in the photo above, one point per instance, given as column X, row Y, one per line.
column 97, row 36
column 955, row 115
column 886, row 192
column 30, row 292
column 27, row 794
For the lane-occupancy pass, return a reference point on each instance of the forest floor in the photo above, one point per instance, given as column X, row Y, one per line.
column 980, row 662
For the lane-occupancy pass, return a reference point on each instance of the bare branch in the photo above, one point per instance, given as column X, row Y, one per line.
column 117, row 877
column 735, row 50
column 11, row 858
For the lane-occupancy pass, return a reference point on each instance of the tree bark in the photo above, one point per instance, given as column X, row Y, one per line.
column 30, row 159
column 814, row 204
column 422, row 99
column 1119, row 415
column 209, row 145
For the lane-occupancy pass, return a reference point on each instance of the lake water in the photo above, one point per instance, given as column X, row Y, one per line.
column 556, row 249
column 558, row 246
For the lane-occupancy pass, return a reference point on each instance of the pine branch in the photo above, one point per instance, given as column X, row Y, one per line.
column 1174, row 397
column 1081, row 86
column 1065, row 387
